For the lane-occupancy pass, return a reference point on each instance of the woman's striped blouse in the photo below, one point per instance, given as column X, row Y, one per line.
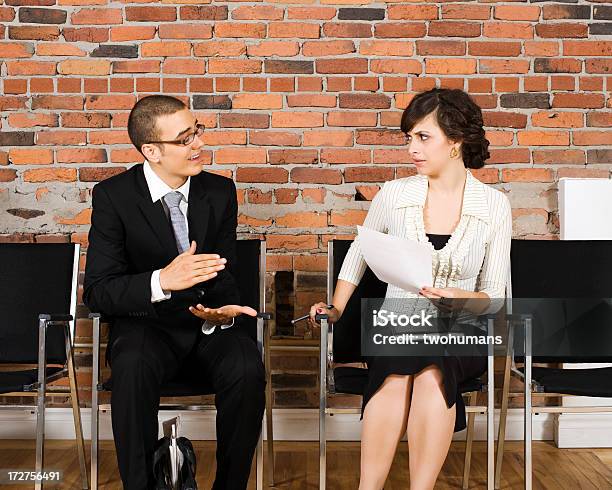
column 477, row 255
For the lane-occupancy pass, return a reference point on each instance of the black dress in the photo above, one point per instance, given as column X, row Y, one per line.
column 455, row 370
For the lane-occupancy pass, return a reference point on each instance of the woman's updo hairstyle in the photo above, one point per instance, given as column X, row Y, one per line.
column 459, row 118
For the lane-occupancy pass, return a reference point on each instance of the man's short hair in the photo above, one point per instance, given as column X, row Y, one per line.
column 142, row 123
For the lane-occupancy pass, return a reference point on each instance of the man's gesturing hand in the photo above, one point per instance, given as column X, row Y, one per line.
column 189, row 269
column 223, row 315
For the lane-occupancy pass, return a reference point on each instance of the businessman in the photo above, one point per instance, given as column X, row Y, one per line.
column 161, row 264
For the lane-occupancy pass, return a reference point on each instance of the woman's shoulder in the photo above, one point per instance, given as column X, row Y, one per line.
column 398, row 192
column 497, row 200
column 487, row 201
column 495, row 194
column 405, row 184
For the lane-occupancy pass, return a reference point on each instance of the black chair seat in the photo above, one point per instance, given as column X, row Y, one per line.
column 13, row 381
column 580, row 382
column 352, row 381
column 474, row 384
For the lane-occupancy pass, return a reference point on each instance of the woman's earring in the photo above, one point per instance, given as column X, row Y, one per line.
column 454, row 153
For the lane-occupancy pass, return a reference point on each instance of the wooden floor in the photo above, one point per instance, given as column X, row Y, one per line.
column 297, row 466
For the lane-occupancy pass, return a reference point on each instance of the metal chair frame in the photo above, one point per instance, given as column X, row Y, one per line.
column 39, row 388
column 529, row 388
column 327, row 387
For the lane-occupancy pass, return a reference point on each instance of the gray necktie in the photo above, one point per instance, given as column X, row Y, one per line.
column 172, row 200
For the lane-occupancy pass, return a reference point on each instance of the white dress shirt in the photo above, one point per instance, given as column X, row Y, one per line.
column 158, row 189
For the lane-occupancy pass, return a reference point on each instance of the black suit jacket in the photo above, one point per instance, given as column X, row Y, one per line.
column 130, row 237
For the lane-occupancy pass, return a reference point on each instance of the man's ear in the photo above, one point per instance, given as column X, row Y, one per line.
column 151, row 152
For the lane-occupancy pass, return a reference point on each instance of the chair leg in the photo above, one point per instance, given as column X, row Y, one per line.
column 40, row 435
column 528, row 409
column 95, row 425
column 76, row 414
column 259, row 462
column 490, row 416
column 468, row 442
column 270, row 446
column 40, row 405
column 269, row 409
column 528, row 443
column 95, row 414
column 323, row 405
column 503, row 416
column 270, row 438
column 322, row 451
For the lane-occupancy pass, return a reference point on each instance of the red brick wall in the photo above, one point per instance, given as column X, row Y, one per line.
column 302, row 101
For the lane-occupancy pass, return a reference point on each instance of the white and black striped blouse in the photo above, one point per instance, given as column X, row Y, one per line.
column 475, row 258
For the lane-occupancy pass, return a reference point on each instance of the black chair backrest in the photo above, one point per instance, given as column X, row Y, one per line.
column 565, row 269
column 248, row 278
column 34, row 279
column 561, row 268
column 347, row 331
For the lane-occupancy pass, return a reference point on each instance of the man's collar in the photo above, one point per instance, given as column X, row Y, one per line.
column 158, row 188
column 475, row 203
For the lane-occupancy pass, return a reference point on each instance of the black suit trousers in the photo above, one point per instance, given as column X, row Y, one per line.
column 226, row 363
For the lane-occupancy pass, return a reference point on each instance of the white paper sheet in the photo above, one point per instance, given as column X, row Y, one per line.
column 170, row 429
column 398, row 261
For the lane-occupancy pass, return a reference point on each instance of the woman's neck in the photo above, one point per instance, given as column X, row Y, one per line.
column 451, row 181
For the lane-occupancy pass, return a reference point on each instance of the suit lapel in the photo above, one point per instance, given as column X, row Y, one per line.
column 156, row 217
column 198, row 214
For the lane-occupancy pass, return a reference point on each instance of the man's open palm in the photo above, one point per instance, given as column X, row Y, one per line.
column 222, row 315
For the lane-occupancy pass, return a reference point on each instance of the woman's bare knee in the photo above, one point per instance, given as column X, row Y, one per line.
column 390, row 404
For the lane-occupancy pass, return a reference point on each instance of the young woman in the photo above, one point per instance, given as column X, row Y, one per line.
column 469, row 227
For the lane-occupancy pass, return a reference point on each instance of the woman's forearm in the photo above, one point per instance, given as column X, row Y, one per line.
column 343, row 292
column 478, row 302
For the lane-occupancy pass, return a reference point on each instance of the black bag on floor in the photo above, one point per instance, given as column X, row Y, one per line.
column 161, row 465
column 187, row 473
column 162, row 471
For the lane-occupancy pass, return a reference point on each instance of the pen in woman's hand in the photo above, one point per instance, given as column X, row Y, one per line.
column 303, row 317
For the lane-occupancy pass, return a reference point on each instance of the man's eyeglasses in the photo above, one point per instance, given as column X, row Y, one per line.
column 186, row 140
